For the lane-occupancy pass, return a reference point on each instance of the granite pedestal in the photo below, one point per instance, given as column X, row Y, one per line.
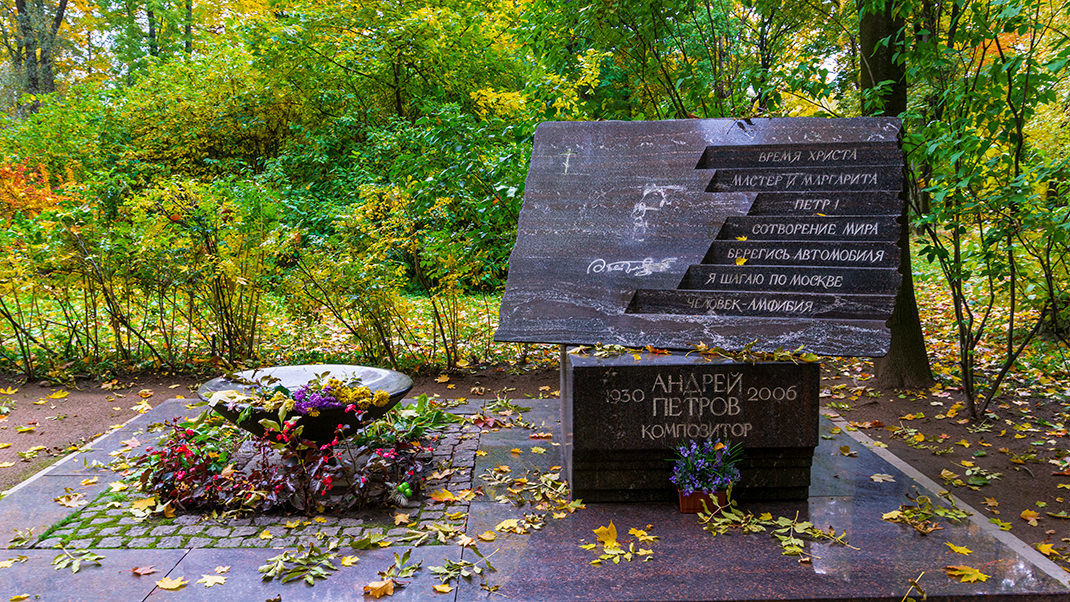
column 622, row 416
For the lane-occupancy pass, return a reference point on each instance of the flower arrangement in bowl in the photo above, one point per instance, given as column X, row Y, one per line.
column 323, row 408
column 705, row 471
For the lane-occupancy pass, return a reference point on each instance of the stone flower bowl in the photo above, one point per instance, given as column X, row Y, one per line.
column 321, row 428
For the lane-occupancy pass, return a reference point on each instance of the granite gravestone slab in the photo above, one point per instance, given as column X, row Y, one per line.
column 762, row 234
column 623, row 415
column 621, row 221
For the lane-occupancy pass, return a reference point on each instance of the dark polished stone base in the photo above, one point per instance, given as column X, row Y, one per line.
column 767, row 474
column 622, row 416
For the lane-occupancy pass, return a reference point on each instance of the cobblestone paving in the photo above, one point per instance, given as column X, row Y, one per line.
column 108, row 521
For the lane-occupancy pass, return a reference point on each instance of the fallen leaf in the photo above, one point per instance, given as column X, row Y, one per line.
column 959, row 549
column 401, row 519
column 965, row 574
column 1046, row 549
column 146, row 393
column 845, row 450
column 487, row 535
column 88, row 482
column 378, row 589
column 19, row 597
column 538, row 450
column 210, row 580
column 464, row 541
column 348, row 560
column 72, row 500
column 540, row 436
column 144, row 503
column 172, row 584
column 221, row 570
column 10, row 562
column 6, row 464
column 443, row 495
column 642, row 535
column 1030, row 516
column 607, row 535
column 141, row 571
column 881, row 477
column 265, row 534
column 741, row 260
column 59, row 394
column 442, row 588
column 320, row 519
column 516, row 450
column 509, row 524
column 441, row 379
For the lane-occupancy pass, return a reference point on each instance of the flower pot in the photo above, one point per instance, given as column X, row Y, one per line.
column 692, row 502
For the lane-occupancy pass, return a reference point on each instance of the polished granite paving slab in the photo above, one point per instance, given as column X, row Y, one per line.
column 549, row 564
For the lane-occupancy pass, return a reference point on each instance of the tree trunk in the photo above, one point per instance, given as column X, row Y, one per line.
column 188, row 31
column 878, row 62
column 907, row 363
column 154, row 46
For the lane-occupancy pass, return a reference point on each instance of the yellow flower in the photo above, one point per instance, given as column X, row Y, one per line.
column 381, row 398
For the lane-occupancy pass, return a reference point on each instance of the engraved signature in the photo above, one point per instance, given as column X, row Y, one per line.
column 643, row 267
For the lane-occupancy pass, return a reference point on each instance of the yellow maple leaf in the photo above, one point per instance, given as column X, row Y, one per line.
column 19, row 597
column 59, row 394
column 6, row 464
column 401, row 519
column 116, row 486
column 144, row 503
column 464, row 541
column 1030, row 516
column 265, row 534
column 9, row 391
column 538, row 450
column 320, row 519
column 741, row 260
column 146, row 393
column 959, row 549
column 443, row 495
column 487, row 535
column 172, row 584
column 378, row 589
column 222, row 569
column 516, row 450
column 965, row 574
column 348, row 560
column 210, row 580
column 509, row 524
column 480, row 452
column 442, row 588
column 607, row 535
column 741, row 238
column 1046, row 549
column 442, row 379
column 88, row 482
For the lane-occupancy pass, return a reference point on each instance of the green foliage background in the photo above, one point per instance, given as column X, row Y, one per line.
column 248, row 177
